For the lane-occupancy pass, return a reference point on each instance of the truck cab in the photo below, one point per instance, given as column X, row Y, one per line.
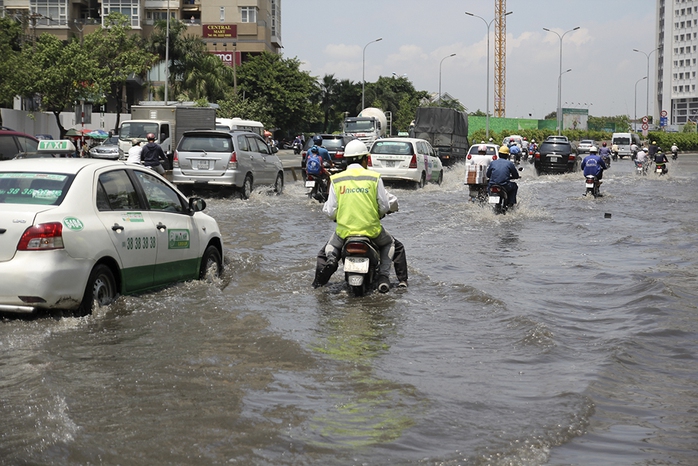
column 139, row 129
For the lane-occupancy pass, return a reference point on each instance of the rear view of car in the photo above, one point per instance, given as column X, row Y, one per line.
column 401, row 159
column 555, row 157
column 209, row 158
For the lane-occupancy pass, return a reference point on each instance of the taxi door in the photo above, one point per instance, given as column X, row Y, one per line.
column 177, row 236
column 130, row 228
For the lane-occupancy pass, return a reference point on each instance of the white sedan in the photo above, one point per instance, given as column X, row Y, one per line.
column 405, row 159
column 76, row 233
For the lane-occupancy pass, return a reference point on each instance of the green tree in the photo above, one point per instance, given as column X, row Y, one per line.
column 119, row 55
column 60, row 74
column 328, row 97
column 10, row 47
column 285, row 87
column 194, row 74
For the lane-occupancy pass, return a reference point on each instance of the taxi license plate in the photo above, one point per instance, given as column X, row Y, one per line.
column 390, row 163
column 494, row 200
column 309, row 184
column 202, row 164
column 356, row 264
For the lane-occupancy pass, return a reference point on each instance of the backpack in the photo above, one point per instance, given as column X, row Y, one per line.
column 313, row 164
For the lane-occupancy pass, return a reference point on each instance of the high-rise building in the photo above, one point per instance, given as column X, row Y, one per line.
column 676, row 97
column 232, row 29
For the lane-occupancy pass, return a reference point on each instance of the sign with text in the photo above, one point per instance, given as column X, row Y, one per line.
column 227, row 57
column 220, row 31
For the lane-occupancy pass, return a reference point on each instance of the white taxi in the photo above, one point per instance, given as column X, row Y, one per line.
column 405, row 159
column 75, row 233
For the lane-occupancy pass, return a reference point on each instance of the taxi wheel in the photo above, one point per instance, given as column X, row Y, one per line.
column 422, row 181
column 211, row 264
column 100, row 289
column 441, row 178
column 279, row 184
column 246, row 190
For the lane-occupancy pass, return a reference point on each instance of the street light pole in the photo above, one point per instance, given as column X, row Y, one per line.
column 442, row 60
column 487, row 127
column 363, row 73
column 647, row 110
column 636, row 83
column 559, row 82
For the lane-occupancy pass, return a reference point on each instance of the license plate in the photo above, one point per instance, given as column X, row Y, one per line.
column 202, row 165
column 390, row 163
column 590, row 184
column 356, row 264
column 494, row 200
column 554, row 157
column 310, row 184
column 659, row 170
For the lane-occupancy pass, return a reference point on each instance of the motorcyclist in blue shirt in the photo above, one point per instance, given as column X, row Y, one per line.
column 593, row 164
column 501, row 171
column 515, row 152
column 317, row 147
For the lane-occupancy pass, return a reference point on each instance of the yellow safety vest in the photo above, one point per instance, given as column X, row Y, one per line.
column 357, row 205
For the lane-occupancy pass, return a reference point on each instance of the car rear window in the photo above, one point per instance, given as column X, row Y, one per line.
column 490, row 150
column 333, row 144
column 556, row 146
column 392, row 147
column 622, row 141
column 33, row 188
column 206, row 143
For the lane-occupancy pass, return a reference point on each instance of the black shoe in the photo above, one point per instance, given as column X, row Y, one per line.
column 383, row 284
column 316, row 284
column 402, row 284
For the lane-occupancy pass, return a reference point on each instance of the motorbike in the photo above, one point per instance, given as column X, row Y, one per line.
column 320, row 184
column 297, row 148
column 674, row 155
column 641, row 168
column 607, row 160
column 614, row 155
column 361, row 260
column 498, row 199
column 592, row 185
column 660, row 169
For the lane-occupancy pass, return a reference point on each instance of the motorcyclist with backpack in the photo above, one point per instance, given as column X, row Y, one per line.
column 316, row 159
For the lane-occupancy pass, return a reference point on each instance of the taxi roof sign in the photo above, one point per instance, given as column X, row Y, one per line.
column 56, row 146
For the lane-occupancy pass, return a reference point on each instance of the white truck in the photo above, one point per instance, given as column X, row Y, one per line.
column 166, row 122
column 367, row 126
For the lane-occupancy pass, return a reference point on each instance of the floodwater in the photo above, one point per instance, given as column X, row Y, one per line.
column 565, row 332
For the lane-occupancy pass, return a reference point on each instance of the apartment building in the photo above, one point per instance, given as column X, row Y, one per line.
column 232, row 29
column 676, row 97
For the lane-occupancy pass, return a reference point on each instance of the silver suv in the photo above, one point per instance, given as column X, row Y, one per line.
column 236, row 159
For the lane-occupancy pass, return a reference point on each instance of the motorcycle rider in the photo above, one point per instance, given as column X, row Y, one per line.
column 357, row 201
column 641, row 157
column 152, row 154
column 515, row 151
column 297, row 145
column 661, row 161
column 614, row 151
column 653, row 149
column 501, row 171
column 316, row 159
column 674, row 151
column 605, row 152
column 593, row 164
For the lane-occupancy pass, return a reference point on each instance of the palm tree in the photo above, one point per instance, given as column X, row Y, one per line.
column 328, row 97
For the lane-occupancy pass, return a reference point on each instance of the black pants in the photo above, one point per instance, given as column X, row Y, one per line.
column 322, row 276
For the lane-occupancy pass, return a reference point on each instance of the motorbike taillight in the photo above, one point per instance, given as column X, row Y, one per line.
column 494, row 189
column 356, row 248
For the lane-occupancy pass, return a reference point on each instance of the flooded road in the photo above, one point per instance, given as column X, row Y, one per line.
column 565, row 332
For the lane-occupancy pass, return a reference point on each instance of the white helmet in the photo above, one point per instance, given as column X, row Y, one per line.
column 355, row 149
column 593, row 150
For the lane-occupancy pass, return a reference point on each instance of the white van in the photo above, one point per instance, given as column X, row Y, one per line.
column 624, row 141
column 238, row 124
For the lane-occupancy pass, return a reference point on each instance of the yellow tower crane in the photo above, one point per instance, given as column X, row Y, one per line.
column 500, row 57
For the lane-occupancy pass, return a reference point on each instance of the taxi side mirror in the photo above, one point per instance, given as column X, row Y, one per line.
column 196, row 204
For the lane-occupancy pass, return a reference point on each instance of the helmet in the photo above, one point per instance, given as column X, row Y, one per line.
column 135, row 142
column 533, row 140
column 644, row 149
column 593, row 150
column 525, row 139
column 603, row 144
column 317, row 140
column 150, row 137
column 482, row 148
column 355, row 149
column 654, row 142
column 504, row 152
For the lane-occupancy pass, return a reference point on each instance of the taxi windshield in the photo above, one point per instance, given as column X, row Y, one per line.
column 33, row 187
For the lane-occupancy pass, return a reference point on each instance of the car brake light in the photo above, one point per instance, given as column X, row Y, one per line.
column 175, row 160
column 537, row 155
column 494, row 157
column 571, row 158
column 339, row 155
column 356, row 248
column 233, row 162
column 413, row 162
column 42, row 237
column 469, row 157
column 370, row 162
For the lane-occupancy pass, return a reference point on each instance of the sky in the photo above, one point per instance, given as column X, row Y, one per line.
column 329, row 36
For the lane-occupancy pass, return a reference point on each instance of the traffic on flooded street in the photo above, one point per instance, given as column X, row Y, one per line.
column 563, row 332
